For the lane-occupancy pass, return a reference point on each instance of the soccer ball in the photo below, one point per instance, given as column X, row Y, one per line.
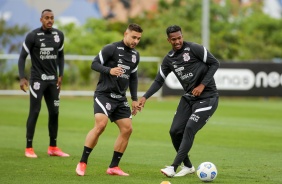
column 207, row 171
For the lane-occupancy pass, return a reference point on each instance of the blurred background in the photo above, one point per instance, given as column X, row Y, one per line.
column 244, row 35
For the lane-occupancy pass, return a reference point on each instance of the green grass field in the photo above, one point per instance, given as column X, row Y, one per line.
column 243, row 139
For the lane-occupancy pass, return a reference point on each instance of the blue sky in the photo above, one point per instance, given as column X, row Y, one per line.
column 27, row 12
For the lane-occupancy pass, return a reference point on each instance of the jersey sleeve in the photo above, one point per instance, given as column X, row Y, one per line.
column 100, row 60
column 205, row 56
column 133, row 85
column 133, row 82
column 61, row 57
column 26, row 47
column 159, row 79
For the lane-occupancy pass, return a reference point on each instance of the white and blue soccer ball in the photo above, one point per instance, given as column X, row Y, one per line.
column 207, row 171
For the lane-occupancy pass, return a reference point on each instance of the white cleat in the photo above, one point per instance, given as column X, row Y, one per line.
column 168, row 171
column 184, row 171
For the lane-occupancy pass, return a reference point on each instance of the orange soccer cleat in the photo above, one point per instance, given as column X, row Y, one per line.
column 55, row 151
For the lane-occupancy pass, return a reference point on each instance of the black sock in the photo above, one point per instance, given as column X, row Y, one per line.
column 187, row 162
column 175, row 167
column 85, row 154
column 28, row 143
column 53, row 142
column 116, row 158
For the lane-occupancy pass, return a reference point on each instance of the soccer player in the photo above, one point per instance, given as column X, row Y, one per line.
column 117, row 63
column 45, row 46
column 194, row 67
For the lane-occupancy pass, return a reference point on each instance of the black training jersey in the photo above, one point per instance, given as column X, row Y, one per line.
column 114, row 55
column 193, row 64
column 46, row 51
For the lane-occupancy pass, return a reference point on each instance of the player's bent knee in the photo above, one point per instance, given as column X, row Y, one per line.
column 127, row 131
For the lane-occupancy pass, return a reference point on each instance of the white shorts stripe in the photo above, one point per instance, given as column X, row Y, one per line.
column 203, row 109
column 100, row 104
column 32, row 92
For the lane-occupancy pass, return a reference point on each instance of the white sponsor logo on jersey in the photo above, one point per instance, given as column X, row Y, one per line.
column 187, row 75
column 47, row 77
column 179, row 69
column 113, row 95
column 45, row 53
column 125, row 76
column 124, row 66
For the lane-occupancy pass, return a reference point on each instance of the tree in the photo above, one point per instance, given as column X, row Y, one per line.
column 10, row 42
column 246, row 34
column 10, row 37
column 237, row 33
column 87, row 39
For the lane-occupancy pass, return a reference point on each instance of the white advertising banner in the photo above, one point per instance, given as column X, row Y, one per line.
column 239, row 79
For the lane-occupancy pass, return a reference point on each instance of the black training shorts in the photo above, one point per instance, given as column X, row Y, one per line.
column 114, row 108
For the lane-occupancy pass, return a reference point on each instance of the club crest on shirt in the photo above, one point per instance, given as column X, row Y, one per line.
column 133, row 58
column 186, row 57
column 108, row 106
column 36, row 85
column 57, row 38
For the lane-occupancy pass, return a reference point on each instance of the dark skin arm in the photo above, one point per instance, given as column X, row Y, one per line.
column 141, row 103
column 59, row 82
column 197, row 91
column 23, row 84
column 135, row 108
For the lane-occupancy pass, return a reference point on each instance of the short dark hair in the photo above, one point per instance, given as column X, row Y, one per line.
column 135, row 27
column 48, row 10
column 172, row 29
